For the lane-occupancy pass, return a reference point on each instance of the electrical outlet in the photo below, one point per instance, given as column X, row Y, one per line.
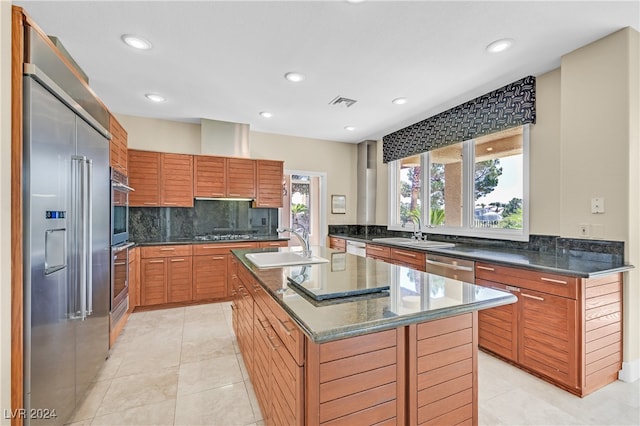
column 597, row 205
column 583, row 229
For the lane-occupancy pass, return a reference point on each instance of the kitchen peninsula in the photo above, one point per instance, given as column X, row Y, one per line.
column 401, row 349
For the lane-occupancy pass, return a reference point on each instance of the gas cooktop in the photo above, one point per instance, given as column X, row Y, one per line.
column 223, row 237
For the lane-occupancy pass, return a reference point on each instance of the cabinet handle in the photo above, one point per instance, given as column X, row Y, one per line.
column 273, row 244
column 119, row 263
column 533, row 297
column 486, row 268
column 150, row 204
column 156, row 261
column 273, row 345
column 551, row 280
column 218, row 258
column 263, row 323
column 169, row 204
column 286, row 329
column 177, row 260
column 404, row 253
column 167, row 249
column 235, row 195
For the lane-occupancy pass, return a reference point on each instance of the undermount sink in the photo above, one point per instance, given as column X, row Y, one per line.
column 408, row 242
column 279, row 259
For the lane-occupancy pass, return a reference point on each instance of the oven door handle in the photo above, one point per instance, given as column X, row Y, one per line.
column 117, row 249
column 122, row 186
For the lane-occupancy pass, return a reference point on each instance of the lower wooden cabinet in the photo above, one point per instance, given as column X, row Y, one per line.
column 165, row 274
column 186, row 273
column 337, row 243
column 564, row 329
column 134, row 278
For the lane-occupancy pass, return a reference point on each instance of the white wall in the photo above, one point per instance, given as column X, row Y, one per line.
column 5, row 208
column 599, row 134
column 161, row 135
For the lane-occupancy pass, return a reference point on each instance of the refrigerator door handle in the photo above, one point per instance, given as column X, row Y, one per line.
column 89, row 241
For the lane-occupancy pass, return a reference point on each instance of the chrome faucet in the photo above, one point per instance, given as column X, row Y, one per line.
column 417, row 228
column 304, row 239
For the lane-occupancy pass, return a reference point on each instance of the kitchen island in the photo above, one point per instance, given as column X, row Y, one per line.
column 395, row 346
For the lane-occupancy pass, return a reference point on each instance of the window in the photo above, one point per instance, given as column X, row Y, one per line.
column 475, row 188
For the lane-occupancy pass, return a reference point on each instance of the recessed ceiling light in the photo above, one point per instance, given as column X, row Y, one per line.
column 399, row 101
column 490, row 149
column 266, row 114
column 295, row 77
column 136, row 42
column 500, row 45
column 355, row 1
column 349, row 128
column 154, row 97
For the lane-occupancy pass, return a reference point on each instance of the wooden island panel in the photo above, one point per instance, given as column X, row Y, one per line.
column 359, row 380
column 443, row 382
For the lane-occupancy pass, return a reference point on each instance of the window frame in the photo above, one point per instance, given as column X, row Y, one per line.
column 467, row 229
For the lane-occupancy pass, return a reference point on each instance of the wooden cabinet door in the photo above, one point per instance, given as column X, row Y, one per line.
column 209, row 176
column 210, row 277
column 117, row 146
column 177, row 180
column 153, row 282
column 269, row 183
column 547, row 334
column 144, row 177
column 241, row 177
column 498, row 327
column 179, row 277
column 262, row 360
column 134, row 277
column 286, row 397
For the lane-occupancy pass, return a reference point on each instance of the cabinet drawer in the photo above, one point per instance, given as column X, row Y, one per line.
column 269, row 244
column 291, row 336
column 558, row 285
column 222, row 248
column 378, row 252
column 337, row 243
column 409, row 257
column 165, row 251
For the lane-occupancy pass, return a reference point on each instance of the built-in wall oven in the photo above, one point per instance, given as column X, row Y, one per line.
column 119, row 245
column 119, row 207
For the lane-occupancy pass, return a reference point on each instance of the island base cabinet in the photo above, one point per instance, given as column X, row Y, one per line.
column 359, row 380
column 442, row 378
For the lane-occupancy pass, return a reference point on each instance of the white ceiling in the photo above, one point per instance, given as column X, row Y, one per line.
column 226, row 60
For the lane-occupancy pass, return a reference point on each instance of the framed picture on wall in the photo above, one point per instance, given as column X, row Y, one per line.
column 338, row 204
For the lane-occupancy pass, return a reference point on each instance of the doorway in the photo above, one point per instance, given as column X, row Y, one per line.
column 304, row 205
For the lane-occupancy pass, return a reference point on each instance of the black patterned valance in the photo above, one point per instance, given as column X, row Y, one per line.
column 510, row 106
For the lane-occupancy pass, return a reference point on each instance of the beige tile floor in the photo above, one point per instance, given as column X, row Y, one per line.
column 181, row 366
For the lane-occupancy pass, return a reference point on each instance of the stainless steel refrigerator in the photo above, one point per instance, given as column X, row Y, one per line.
column 66, row 249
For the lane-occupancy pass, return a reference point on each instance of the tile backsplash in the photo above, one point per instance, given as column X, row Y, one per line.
column 148, row 224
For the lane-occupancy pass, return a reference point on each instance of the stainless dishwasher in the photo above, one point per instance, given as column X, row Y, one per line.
column 450, row 267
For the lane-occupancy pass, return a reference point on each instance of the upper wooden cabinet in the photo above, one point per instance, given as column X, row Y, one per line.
column 177, row 180
column 148, row 169
column 241, row 177
column 209, row 176
column 269, row 183
column 117, row 146
column 144, row 178
column 224, row 177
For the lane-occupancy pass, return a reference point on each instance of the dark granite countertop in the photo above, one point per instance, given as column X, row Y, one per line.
column 187, row 240
column 582, row 264
column 412, row 297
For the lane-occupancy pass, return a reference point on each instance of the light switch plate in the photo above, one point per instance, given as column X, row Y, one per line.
column 597, row 205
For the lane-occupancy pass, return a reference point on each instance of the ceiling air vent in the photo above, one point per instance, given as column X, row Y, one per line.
column 339, row 100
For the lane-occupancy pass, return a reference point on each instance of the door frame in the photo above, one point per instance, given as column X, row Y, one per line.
column 322, row 208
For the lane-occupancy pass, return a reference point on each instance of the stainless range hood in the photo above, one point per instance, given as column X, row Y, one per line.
column 224, row 138
column 366, row 177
